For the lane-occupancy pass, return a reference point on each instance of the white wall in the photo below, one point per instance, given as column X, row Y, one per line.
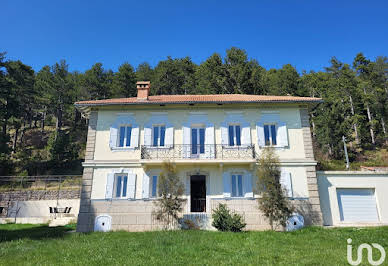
column 178, row 116
column 329, row 181
column 215, row 190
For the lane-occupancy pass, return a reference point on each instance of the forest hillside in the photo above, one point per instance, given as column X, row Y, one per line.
column 42, row 133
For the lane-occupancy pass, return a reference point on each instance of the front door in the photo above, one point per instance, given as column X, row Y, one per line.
column 197, row 141
column 198, row 193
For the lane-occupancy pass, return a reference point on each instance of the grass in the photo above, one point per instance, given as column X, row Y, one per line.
column 40, row 244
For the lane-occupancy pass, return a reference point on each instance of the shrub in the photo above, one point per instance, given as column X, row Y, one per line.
column 273, row 201
column 170, row 192
column 226, row 220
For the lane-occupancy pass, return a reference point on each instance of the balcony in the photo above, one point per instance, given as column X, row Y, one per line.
column 198, row 152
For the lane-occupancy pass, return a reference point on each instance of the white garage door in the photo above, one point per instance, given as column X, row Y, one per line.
column 357, row 205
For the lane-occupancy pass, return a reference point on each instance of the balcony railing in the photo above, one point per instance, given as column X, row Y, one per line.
column 200, row 152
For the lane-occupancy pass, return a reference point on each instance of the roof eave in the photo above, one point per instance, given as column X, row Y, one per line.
column 80, row 105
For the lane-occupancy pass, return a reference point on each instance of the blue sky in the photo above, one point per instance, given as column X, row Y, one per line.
column 303, row 33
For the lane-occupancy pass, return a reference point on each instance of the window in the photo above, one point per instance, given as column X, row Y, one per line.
column 125, row 136
column 120, row 186
column 159, row 133
column 237, row 185
column 234, row 135
column 197, row 140
column 154, row 186
column 270, row 135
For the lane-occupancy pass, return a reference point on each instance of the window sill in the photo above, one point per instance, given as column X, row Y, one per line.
column 121, row 199
column 236, row 147
column 240, row 198
column 158, row 147
column 124, row 148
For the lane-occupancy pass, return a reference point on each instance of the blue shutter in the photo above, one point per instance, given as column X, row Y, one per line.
column 118, row 186
column 162, row 135
column 238, row 136
column 125, row 183
column 273, row 134
column 128, row 140
column 240, row 185
column 156, row 136
column 234, row 193
column 266, row 135
column 231, row 136
column 202, row 140
column 154, row 185
column 122, row 136
column 193, row 141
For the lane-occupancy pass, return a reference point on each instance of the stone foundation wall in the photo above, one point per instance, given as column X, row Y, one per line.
column 12, row 196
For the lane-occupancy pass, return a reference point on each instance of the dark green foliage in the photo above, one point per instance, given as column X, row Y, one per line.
column 62, row 148
column 226, row 220
column 273, row 201
column 170, row 191
column 355, row 98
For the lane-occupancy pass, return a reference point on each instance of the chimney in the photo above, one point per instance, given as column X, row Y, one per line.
column 143, row 89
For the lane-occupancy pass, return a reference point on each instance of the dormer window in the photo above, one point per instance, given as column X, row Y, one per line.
column 125, row 136
column 234, row 135
column 270, row 134
column 158, row 135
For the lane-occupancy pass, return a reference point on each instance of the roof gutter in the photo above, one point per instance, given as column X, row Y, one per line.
column 78, row 105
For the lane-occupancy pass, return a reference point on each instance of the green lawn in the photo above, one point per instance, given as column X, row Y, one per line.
column 39, row 244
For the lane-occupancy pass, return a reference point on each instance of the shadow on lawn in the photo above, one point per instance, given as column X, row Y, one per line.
column 34, row 233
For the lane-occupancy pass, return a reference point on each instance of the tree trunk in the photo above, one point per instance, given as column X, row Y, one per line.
column 58, row 124
column 372, row 135
column 354, row 124
column 22, row 134
column 43, row 119
column 312, row 123
column 15, row 139
column 384, row 130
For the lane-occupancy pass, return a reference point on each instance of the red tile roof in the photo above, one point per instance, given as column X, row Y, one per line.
column 217, row 98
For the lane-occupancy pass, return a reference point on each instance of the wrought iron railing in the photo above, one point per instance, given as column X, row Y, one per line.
column 198, row 151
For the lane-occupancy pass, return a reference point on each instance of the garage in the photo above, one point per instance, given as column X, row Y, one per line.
column 357, row 205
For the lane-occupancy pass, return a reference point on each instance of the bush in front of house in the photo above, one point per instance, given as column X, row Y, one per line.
column 226, row 220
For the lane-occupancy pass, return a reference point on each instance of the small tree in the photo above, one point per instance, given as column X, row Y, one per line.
column 226, row 220
column 273, row 201
column 170, row 192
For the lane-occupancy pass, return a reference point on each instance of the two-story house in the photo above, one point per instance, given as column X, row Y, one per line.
column 214, row 141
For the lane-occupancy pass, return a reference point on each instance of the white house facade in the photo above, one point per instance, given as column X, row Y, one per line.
column 214, row 141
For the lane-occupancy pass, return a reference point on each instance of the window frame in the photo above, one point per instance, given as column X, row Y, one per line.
column 123, row 186
column 201, row 150
column 126, row 126
column 159, row 134
column 238, row 195
column 234, row 125
column 270, row 134
column 151, row 188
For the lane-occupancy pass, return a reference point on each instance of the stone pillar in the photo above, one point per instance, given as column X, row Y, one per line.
column 85, row 217
column 313, row 207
